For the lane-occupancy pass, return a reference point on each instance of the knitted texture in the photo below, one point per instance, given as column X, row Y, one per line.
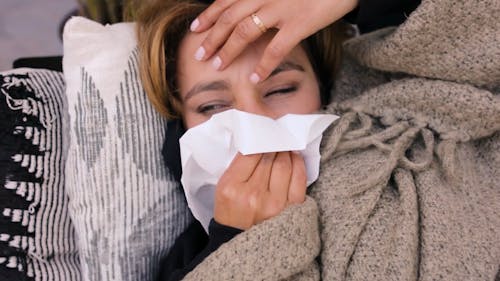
column 408, row 186
column 449, row 40
column 295, row 245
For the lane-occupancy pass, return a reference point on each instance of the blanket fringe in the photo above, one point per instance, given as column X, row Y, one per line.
column 446, row 151
column 395, row 140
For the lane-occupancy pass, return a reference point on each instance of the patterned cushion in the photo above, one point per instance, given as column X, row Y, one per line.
column 126, row 207
column 37, row 239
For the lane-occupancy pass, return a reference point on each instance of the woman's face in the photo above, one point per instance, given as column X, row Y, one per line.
column 291, row 88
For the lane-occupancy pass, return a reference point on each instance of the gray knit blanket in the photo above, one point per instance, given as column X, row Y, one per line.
column 409, row 186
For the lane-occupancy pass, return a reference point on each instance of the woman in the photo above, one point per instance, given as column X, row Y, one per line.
column 408, row 185
column 195, row 91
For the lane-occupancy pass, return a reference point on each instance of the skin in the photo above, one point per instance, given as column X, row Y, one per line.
column 231, row 28
column 260, row 186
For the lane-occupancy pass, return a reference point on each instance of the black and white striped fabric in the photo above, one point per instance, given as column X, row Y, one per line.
column 37, row 239
column 126, row 207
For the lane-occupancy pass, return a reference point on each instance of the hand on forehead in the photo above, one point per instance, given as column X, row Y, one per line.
column 290, row 88
column 190, row 52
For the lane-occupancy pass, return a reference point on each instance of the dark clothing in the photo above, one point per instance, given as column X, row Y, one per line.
column 192, row 247
column 371, row 15
column 171, row 150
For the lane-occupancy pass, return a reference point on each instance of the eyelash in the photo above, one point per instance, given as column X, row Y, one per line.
column 284, row 90
column 213, row 108
column 205, row 109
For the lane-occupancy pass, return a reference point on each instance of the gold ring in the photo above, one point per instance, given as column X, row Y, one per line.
column 259, row 23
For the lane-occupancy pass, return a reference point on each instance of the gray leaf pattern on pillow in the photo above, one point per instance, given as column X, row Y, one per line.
column 139, row 134
column 90, row 110
column 131, row 210
column 131, row 107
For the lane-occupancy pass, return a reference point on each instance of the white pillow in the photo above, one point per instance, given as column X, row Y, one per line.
column 126, row 207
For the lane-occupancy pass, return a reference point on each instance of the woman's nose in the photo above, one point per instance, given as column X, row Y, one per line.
column 256, row 107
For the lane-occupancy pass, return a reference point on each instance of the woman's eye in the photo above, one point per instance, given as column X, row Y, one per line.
column 283, row 90
column 210, row 109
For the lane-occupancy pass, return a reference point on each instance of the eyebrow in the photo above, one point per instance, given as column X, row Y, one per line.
column 220, row 85
column 285, row 66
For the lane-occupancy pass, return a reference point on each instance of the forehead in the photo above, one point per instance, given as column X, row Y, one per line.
column 192, row 41
column 189, row 69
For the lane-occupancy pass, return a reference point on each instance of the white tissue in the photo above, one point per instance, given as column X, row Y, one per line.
column 208, row 149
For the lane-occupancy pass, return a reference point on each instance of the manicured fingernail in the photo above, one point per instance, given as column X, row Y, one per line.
column 194, row 25
column 200, row 53
column 254, row 78
column 217, row 62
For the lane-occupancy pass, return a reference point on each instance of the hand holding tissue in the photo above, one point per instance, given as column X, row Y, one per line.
column 208, row 149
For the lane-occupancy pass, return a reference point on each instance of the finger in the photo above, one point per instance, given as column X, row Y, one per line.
column 241, row 168
column 210, row 15
column 298, row 182
column 261, row 175
column 257, row 187
column 226, row 24
column 279, row 182
column 280, row 178
column 280, row 46
column 244, row 33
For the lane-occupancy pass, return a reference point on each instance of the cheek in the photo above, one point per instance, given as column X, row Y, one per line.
column 300, row 104
column 192, row 119
column 307, row 100
column 311, row 96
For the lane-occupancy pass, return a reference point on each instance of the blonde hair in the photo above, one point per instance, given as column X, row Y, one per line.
column 162, row 24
